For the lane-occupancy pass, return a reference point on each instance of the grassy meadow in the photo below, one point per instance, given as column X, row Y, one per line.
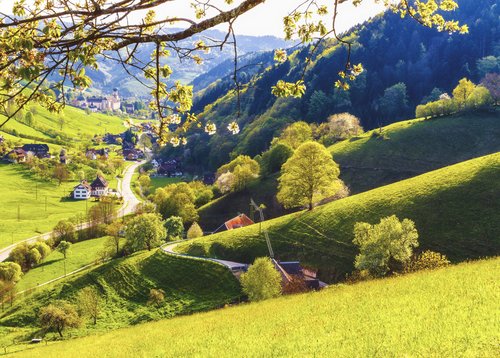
column 82, row 253
column 160, row 182
column 450, row 312
column 456, row 211
column 18, row 189
column 414, row 147
column 190, row 285
column 78, row 127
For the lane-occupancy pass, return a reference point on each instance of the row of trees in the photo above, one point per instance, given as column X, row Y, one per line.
column 466, row 95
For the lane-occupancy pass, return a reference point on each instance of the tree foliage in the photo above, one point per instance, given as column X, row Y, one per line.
column 261, row 281
column 59, row 39
column 296, row 134
column 176, row 200
column 145, row 231
column 384, row 245
column 64, row 248
column 194, row 231
column 10, row 272
column 59, row 316
column 89, row 303
column 174, row 227
column 309, row 176
column 243, row 170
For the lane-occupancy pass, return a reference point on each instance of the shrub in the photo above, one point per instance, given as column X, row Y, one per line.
column 428, row 260
column 194, row 231
column 156, row 297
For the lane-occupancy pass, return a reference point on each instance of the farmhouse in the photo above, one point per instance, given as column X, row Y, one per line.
column 240, row 221
column 99, row 187
column 17, row 155
column 38, row 150
column 82, row 191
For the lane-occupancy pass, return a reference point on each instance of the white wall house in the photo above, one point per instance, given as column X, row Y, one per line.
column 81, row 191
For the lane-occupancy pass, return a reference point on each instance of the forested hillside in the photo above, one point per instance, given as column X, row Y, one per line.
column 405, row 64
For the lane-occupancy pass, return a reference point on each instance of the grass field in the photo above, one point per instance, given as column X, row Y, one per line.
column 451, row 312
column 456, row 211
column 82, row 254
column 19, row 188
column 78, row 126
column 415, row 147
column 160, row 182
column 190, row 285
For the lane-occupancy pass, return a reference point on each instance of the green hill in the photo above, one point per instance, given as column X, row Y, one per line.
column 450, row 312
column 190, row 285
column 368, row 161
column 70, row 127
column 456, row 210
column 414, row 147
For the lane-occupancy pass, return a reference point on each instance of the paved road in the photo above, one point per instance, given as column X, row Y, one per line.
column 130, row 201
column 231, row 265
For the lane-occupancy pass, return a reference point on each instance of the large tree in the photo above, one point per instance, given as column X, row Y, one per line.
column 262, row 280
column 145, row 231
column 309, row 176
column 384, row 246
column 47, row 45
column 59, row 316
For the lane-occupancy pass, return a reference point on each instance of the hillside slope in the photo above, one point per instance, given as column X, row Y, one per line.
column 451, row 312
column 456, row 210
column 124, row 285
column 366, row 162
column 415, row 147
column 69, row 128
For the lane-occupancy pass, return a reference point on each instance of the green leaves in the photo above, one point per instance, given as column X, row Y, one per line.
column 289, row 89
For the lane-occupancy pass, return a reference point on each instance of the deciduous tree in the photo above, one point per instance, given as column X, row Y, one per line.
column 89, row 303
column 309, row 176
column 385, row 244
column 194, row 231
column 145, row 231
column 262, row 280
column 174, row 227
column 59, row 316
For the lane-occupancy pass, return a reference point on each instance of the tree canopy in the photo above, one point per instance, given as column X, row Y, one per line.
column 309, row 176
column 46, row 47
column 145, row 231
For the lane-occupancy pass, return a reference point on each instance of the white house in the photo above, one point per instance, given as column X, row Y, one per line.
column 82, row 191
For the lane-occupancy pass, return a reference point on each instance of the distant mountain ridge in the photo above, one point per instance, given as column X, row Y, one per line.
column 112, row 75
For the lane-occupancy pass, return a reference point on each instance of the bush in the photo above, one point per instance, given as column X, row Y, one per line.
column 428, row 260
column 194, row 231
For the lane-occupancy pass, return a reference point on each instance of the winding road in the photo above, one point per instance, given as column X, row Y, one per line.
column 234, row 267
column 130, row 201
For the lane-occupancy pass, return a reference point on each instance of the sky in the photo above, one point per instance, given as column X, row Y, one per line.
column 266, row 18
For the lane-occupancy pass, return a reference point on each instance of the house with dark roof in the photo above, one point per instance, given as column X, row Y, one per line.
column 99, row 187
column 38, row 150
column 16, row 155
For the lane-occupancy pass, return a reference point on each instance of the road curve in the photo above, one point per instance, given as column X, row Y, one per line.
column 130, row 201
column 231, row 265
